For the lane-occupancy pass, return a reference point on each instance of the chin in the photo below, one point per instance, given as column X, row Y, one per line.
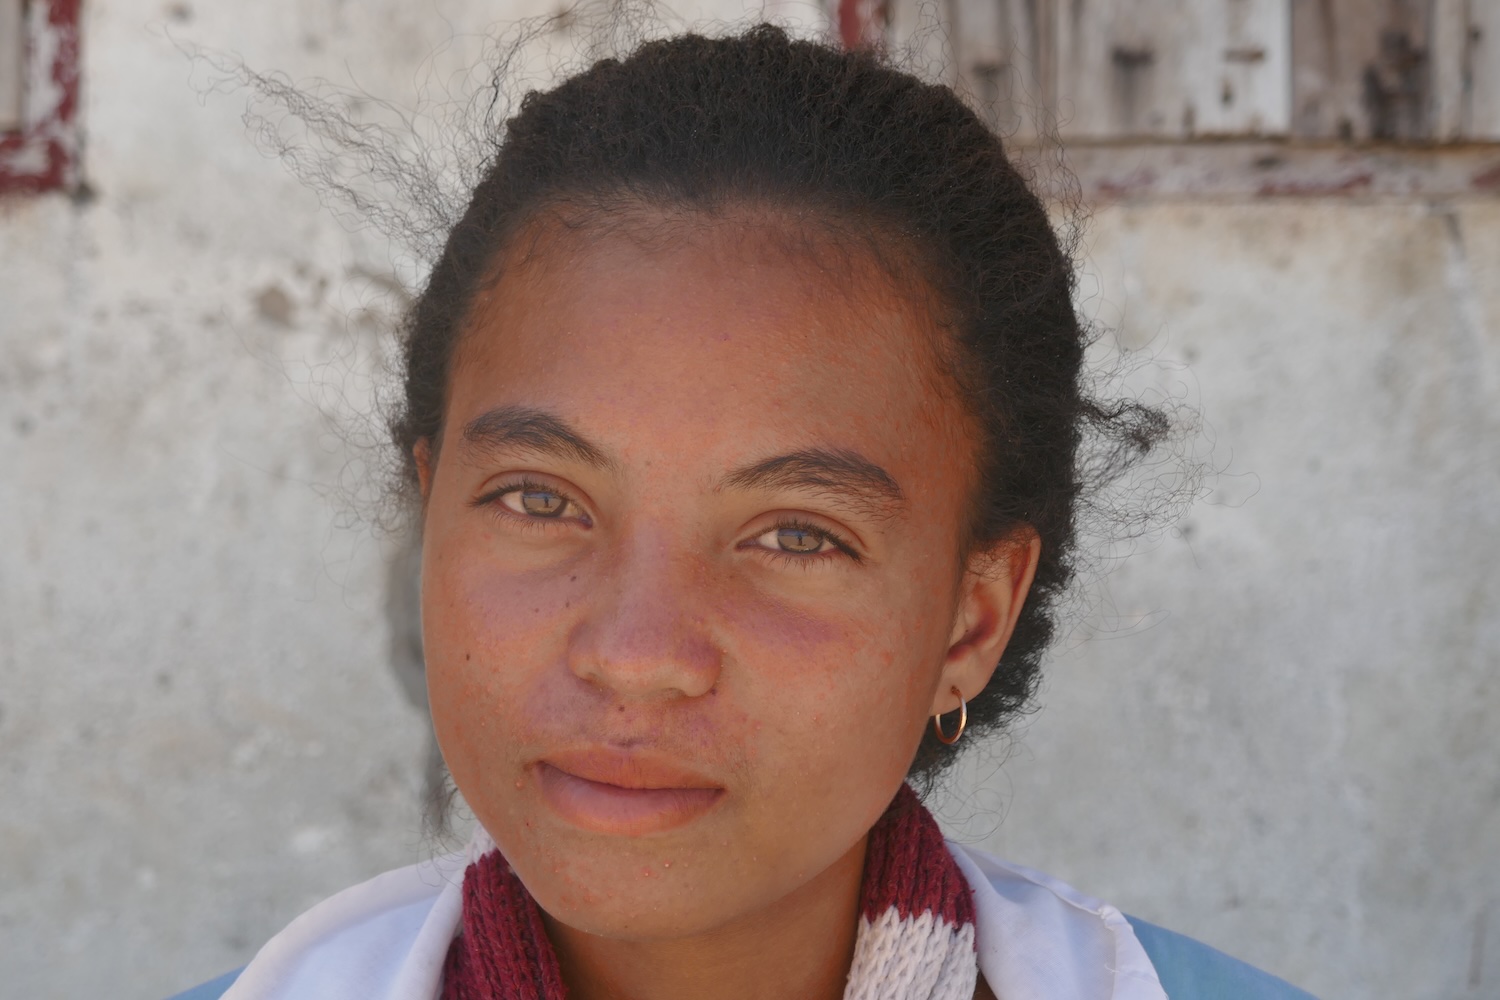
column 629, row 905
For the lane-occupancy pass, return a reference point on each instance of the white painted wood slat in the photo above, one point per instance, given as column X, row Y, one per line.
column 1173, row 68
column 1113, row 70
column 1483, row 70
column 1006, row 51
column 12, row 64
column 1396, row 70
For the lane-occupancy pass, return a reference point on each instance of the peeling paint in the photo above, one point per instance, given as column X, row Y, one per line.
column 1272, row 169
column 43, row 155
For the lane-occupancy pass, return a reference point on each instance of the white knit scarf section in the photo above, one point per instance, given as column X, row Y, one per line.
column 912, row 958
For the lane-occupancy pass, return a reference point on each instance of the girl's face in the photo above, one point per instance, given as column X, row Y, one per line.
column 691, row 586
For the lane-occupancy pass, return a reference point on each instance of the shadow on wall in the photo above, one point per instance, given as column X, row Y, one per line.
column 403, row 610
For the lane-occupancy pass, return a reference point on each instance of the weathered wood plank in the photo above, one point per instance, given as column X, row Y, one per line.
column 1173, row 68
column 1099, row 70
column 1483, row 55
column 919, row 33
column 1396, row 70
column 1260, row 169
column 12, row 64
column 1006, row 55
column 1450, row 81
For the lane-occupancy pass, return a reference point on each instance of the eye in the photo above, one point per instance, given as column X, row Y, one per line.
column 535, row 502
column 796, row 538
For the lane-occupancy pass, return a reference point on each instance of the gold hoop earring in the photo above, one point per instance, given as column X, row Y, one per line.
column 963, row 720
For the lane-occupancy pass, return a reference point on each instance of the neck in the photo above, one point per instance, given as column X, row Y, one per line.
column 800, row 946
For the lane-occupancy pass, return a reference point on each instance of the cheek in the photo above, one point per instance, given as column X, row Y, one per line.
column 828, row 706
column 487, row 636
column 832, row 692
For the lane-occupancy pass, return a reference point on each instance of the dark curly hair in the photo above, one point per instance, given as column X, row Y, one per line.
column 760, row 118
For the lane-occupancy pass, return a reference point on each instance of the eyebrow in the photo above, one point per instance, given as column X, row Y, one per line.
column 838, row 475
column 533, row 430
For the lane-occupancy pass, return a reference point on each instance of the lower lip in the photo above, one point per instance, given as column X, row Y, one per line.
column 629, row 812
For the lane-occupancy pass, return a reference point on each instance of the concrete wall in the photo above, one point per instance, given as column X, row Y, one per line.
column 1284, row 742
column 1277, row 739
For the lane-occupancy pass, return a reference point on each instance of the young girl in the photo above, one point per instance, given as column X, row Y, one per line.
column 743, row 414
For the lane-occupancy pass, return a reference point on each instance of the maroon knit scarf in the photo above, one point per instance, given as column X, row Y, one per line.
column 915, row 938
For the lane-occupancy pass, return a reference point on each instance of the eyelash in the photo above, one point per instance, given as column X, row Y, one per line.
column 491, row 499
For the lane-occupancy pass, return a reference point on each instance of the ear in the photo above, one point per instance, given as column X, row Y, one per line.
column 993, row 590
column 421, row 455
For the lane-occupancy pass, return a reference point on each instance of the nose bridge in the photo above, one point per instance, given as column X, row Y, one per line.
column 645, row 634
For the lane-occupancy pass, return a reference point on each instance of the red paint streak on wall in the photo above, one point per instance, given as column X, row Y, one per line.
column 1322, row 188
column 43, row 155
column 1487, row 180
column 861, row 23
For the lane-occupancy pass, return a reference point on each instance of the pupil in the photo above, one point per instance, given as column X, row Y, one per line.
column 541, row 504
column 797, row 540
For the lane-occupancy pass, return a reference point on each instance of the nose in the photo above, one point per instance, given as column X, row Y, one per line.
column 645, row 636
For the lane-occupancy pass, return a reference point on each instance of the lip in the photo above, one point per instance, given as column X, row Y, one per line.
column 622, row 792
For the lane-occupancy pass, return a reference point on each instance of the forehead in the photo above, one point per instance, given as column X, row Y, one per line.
column 752, row 329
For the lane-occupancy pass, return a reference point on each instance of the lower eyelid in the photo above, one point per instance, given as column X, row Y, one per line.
column 810, row 562
column 542, row 523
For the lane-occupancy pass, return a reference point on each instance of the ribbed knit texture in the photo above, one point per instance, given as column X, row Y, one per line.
column 503, row 950
column 915, row 939
column 916, row 924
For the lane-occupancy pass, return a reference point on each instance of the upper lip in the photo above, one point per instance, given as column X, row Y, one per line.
column 627, row 768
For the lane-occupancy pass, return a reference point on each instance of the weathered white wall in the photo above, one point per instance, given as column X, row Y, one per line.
column 1291, row 756
column 1288, row 746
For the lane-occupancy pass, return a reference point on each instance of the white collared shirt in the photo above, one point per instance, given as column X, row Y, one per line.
column 387, row 939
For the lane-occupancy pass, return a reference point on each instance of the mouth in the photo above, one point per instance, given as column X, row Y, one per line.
column 623, row 793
